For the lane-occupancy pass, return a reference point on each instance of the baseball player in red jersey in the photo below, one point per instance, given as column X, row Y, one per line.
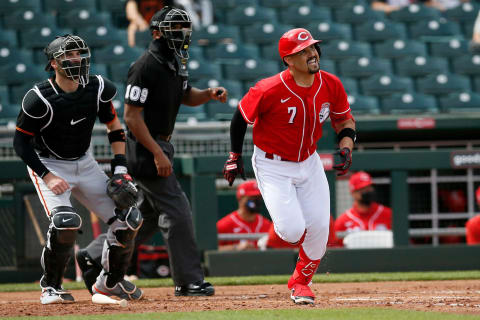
column 288, row 111
column 246, row 219
column 366, row 214
column 472, row 226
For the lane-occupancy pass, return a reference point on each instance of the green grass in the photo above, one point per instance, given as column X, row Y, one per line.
column 280, row 279
column 301, row 313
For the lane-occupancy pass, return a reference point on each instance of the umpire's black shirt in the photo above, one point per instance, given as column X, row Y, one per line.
column 155, row 84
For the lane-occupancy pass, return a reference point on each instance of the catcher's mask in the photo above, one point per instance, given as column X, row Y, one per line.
column 76, row 67
column 176, row 27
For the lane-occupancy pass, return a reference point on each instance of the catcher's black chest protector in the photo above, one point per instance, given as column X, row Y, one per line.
column 68, row 134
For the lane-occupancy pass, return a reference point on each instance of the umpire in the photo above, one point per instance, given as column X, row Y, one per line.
column 157, row 84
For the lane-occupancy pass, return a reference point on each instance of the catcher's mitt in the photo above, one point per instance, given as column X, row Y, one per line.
column 122, row 190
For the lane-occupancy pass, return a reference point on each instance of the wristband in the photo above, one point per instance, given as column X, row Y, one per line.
column 347, row 132
column 116, row 136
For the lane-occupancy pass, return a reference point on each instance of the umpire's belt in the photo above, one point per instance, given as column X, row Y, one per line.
column 163, row 138
column 272, row 156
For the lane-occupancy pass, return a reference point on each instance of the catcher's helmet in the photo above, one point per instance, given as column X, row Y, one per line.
column 76, row 68
column 176, row 26
column 294, row 41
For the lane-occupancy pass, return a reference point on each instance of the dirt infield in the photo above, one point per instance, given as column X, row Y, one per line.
column 459, row 296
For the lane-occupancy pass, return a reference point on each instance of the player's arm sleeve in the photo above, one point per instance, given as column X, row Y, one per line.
column 33, row 115
column 340, row 111
column 238, row 127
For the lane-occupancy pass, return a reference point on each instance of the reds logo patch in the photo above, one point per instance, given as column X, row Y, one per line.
column 324, row 112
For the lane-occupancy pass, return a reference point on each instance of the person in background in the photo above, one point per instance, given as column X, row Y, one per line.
column 366, row 213
column 139, row 13
column 472, row 227
column 246, row 219
column 452, row 201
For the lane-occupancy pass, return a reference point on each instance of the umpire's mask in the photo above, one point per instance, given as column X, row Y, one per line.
column 72, row 55
column 176, row 27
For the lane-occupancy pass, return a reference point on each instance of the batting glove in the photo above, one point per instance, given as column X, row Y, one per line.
column 232, row 167
column 346, row 161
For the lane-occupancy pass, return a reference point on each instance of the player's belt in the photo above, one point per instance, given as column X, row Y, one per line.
column 164, row 138
column 270, row 156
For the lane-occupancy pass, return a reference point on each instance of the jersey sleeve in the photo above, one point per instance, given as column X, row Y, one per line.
column 33, row 115
column 109, row 91
column 224, row 225
column 250, row 104
column 106, row 111
column 139, row 85
column 340, row 111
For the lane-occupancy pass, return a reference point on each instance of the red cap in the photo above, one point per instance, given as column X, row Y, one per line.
column 477, row 195
column 294, row 41
column 248, row 189
column 360, row 180
column 456, row 201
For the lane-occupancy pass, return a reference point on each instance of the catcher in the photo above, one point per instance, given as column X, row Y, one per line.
column 54, row 130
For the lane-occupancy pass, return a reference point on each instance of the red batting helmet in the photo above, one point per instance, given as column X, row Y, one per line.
column 294, row 41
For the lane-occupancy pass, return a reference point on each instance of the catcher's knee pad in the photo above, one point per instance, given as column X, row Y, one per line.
column 65, row 223
column 125, row 225
column 60, row 239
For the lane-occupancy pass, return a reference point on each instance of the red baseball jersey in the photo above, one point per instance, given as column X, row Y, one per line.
column 473, row 230
column 287, row 119
column 378, row 217
column 233, row 223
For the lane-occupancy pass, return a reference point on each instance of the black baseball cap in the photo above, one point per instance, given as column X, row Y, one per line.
column 53, row 47
column 158, row 17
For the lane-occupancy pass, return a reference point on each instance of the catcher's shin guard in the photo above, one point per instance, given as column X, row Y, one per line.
column 119, row 245
column 304, row 270
column 60, row 240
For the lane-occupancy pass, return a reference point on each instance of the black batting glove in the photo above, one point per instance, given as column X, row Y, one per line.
column 345, row 156
column 232, row 167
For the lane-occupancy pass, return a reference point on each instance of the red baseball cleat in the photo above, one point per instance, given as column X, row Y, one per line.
column 302, row 294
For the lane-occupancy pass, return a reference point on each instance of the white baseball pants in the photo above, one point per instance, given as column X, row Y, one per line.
column 297, row 197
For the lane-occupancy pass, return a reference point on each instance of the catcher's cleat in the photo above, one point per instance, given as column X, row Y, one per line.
column 50, row 296
column 123, row 289
column 302, row 294
column 200, row 288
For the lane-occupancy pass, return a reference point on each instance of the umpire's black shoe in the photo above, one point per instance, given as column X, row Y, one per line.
column 200, row 288
column 90, row 268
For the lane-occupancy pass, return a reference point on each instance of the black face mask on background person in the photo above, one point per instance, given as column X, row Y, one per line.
column 253, row 205
column 366, row 198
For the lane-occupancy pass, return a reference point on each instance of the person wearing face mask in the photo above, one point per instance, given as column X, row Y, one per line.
column 246, row 219
column 365, row 214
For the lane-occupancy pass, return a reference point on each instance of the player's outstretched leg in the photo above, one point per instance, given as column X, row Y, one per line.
column 56, row 254
column 117, row 253
column 299, row 282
